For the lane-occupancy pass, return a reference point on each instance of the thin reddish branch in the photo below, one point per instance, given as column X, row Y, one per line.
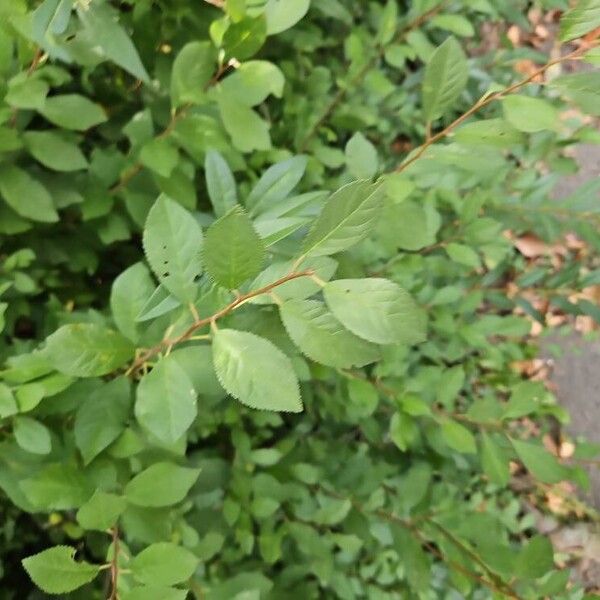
column 114, row 565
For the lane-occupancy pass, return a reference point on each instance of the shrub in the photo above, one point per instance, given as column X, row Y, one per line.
column 258, row 341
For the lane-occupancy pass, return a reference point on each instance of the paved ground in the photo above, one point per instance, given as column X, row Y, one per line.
column 577, row 372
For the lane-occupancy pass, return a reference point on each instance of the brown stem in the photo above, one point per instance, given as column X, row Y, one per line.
column 484, row 101
column 114, row 565
column 189, row 332
column 361, row 74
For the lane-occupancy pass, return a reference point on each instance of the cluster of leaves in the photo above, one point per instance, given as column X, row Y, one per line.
column 207, row 210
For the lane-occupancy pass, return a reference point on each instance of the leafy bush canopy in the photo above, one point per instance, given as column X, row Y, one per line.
column 257, row 339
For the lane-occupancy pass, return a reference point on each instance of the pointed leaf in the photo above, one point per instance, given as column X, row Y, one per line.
column 347, row 218
column 323, row 338
column 247, row 130
column 283, row 14
column 377, row 310
column 31, row 435
column 101, row 511
column 579, row 20
column 361, row 157
column 173, row 243
column 458, row 437
column 540, row 462
column 54, row 150
column 245, row 364
column 192, row 70
column 73, row 111
column 495, row 465
column 220, row 183
column 163, row 563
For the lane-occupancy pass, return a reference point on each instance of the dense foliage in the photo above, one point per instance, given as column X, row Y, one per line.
column 209, row 208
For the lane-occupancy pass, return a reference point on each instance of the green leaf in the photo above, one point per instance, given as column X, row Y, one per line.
column 376, row 310
column 101, row 418
column 233, row 250
column 154, row 592
column 109, row 38
column 416, row 565
column 29, row 93
column 283, row 14
column 87, row 350
column 525, row 398
column 55, row 571
column 535, row 559
column 348, row 217
column 320, row 336
column 129, row 295
column 159, row 303
column 408, row 226
column 540, row 462
column 172, row 243
column 31, row 435
column 166, row 401
column 253, row 81
column 458, row 437
column 196, row 361
column 456, row 24
column 463, row 255
column 8, row 404
column 247, row 130
column 388, row 23
column 530, row 114
column 275, row 184
column 161, row 484
column 245, row 38
column 220, row 183
column 101, row 511
column 494, row 463
column 272, row 231
column 192, row 70
column 57, row 487
column 25, row 195
column 489, row 132
column 444, row 80
column 361, row 157
column 163, row 564
column 579, row 20
column 160, row 155
column 73, row 111
column 244, row 364
column 54, row 150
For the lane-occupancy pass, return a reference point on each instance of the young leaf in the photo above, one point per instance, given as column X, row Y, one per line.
column 73, row 111
column 494, row 463
column 444, row 80
column 245, row 363
column 55, row 571
column 579, row 20
column 31, row 435
column 172, row 243
column 101, row 511
column 233, row 250
column 530, row 114
column 322, row 337
column 283, row 14
column 102, row 417
column 87, row 350
column 163, row 563
column 192, row 70
column 166, row 401
column 348, row 217
column 361, row 157
column 161, row 484
column 25, row 195
column 220, row 183
column 55, row 150
column 129, row 295
column 275, row 184
column 376, row 310
column 540, row 462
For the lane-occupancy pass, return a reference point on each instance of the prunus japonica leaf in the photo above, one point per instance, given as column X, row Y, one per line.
column 245, row 38
column 55, row 571
column 535, row 559
column 540, row 462
column 102, row 417
column 173, row 244
column 73, row 111
column 579, row 20
column 253, row 81
column 272, row 231
column 159, row 155
column 166, row 401
column 283, row 14
column 458, row 437
column 444, row 80
column 347, row 218
column 233, row 250
column 26, row 195
column 530, row 114
column 377, row 310
column 361, row 157
column 8, row 404
column 31, row 435
column 161, row 484
column 196, row 361
column 87, row 350
column 130, row 293
column 321, row 337
column 163, row 563
column 275, row 184
column 495, row 465
column 54, row 150
column 57, row 487
column 158, row 304
column 101, row 511
column 245, row 364
column 220, row 183
column 247, row 130
column 192, row 70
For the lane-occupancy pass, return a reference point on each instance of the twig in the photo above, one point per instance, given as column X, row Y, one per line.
column 114, row 564
column 189, row 332
column 484, row 101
